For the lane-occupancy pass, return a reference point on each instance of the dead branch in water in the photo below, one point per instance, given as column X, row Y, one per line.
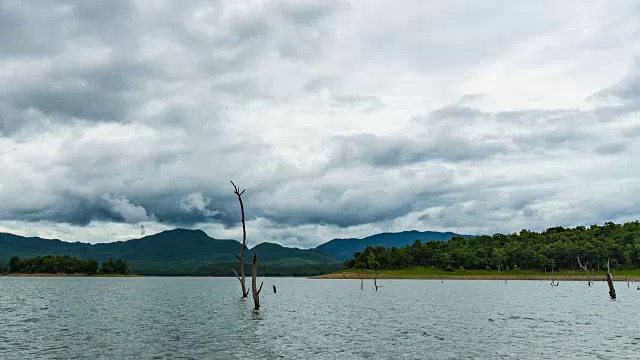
column 612, row 290
column 241, row 278
column 255, row 291
column 584, row 267
column 554, row 282
column 373, row 264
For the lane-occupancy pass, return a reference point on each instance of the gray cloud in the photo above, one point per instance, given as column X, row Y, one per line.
column 404, row 150
column 335, row 117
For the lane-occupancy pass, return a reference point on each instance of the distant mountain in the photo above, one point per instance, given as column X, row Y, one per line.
column 177, row 252
column 343, row 249
column 193, row 252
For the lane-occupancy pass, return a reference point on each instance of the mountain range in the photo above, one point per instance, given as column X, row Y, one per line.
column 193, row 252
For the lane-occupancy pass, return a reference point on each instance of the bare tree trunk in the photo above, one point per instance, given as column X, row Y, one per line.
column 612, row 290
column 255, row 291
column 361, row 284
column 274, row 289
column 241, row 278
column 553, row 274
column 375, row 281
column 585, row 269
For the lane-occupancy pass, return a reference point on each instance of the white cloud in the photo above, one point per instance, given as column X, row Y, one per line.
column 198, row 202
column 127, row 210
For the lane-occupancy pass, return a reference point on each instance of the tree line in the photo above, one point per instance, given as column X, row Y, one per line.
column 63, row 265
column 557, row 247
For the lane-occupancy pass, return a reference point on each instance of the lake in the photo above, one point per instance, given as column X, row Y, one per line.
column 204, row 318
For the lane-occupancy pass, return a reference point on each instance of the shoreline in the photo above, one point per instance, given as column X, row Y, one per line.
column 67, row 275
column 358, row 276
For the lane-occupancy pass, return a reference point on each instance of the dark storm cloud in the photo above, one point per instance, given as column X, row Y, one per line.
column 82, row 211
column 93, row 67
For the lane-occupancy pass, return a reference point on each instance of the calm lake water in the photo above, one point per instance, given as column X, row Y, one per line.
column 204, row 318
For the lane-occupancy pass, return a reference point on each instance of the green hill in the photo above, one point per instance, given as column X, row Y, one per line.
column 176, row 252
column 343, row 249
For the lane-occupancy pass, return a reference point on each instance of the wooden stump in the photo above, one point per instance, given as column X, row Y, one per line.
column 254, row 288
column 612, row 290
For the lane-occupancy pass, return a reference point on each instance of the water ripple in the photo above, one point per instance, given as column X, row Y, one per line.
column 193, row 318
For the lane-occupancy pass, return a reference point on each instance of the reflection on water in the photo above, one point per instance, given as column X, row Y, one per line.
column 158, row 318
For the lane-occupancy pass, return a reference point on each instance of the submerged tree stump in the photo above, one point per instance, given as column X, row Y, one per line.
column 612, row 290
column 255, row 291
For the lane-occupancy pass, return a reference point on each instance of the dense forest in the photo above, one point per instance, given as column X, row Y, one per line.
column 112, row 266
column 64, row 265
column 558, row 247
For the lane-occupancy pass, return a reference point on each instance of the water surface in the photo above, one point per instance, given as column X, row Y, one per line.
column 204, row 318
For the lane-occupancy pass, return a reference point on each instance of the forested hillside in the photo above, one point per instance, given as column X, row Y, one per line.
column 175, row 252
column 344, row 249
column 558, row 247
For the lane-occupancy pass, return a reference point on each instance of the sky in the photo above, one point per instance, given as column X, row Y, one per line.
column 339, row 118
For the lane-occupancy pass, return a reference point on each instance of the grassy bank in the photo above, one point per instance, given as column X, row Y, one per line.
column 434, row 273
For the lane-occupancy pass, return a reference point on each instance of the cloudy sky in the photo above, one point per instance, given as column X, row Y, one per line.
column 340, row 118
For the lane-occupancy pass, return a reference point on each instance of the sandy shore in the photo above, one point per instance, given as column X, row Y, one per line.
column 354, row 275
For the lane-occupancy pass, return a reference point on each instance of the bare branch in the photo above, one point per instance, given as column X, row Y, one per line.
column 234, row 271
column 237, row 256
column 260, row 289
column 584, row 267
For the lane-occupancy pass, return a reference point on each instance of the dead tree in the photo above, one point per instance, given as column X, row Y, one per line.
column 373, row 264
column 553, row 274
column 375, row 278
column 241, row 278
column 585, row 269
column 612, row 290
column 255, row 291
column 361, row 284
column 274, row 289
